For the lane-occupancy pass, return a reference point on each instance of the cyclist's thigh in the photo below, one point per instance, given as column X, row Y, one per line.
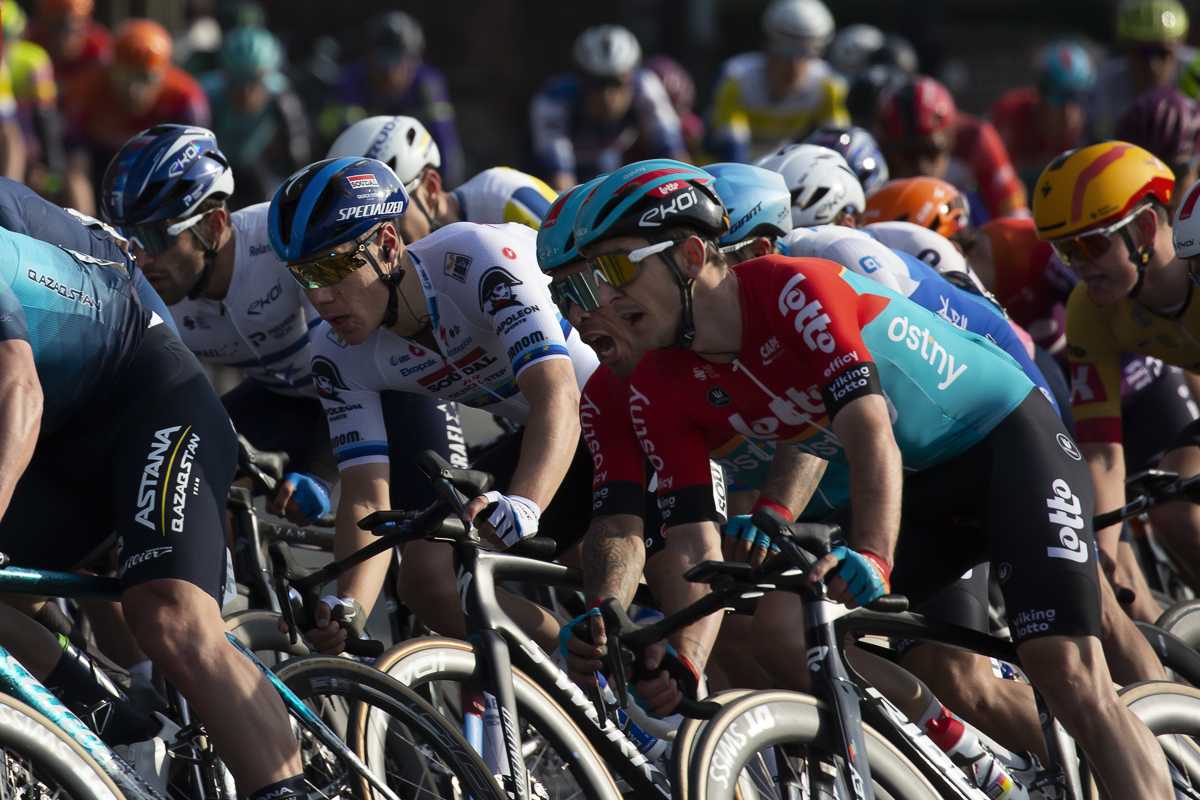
column 1038, row 523
column 965, row 603
column 271, row 421
column 416, row 423
column 170, row 473
column 1157, row 420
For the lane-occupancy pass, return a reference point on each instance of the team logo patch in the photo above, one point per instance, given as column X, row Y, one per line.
column 457, row 265
column 1068, row 446
column 328, row 379
column 363, row 181
column 496, row 291
column 719, row 397
column 1004, row 572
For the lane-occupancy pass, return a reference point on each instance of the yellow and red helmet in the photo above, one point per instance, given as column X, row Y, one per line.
column 928, row 202
column 1094, row 186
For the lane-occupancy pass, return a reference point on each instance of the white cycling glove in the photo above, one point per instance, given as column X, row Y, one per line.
column 515, row 517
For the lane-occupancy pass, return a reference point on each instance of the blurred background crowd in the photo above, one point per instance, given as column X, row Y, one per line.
column 982, row 94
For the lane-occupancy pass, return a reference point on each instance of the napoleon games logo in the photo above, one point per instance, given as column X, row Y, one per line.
column 328, row 379
column 496, row 291
column 365, row 181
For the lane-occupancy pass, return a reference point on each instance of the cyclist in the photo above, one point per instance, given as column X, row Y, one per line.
column 922, row 133
column 257, row 117
column 1134, row 297
column 232, row 302
column 681, row 91
column 1151, row 33
column 1167, row 123
column 493, row 196
column 852, row 47
column 1036, row 123
column 37, row 103
column 73, row 39
column 826, row 317
column 76, row 347
column 393, row 79
column 860, row 150
column 106, row 106
column 764, row 99
column 608, row 112
column 465, row 317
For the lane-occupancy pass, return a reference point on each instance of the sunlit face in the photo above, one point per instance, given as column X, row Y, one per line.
column 1112, row 275
column 355, row 306
column 602, row 329
column 174, row 271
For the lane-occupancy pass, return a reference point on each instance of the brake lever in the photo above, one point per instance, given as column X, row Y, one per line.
column 282, row 578
column 583, row 632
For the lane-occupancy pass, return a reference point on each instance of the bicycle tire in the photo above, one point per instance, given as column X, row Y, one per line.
column 258, row 630
column 36, row 752
column 328, row 679
column 685, row 740
column 424, row 661
column 788, row 718
column 1183, row 620
column 1172, row 713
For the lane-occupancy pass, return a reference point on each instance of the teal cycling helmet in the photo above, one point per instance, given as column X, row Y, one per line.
column 248, row 53
column 556, row 236
column 757, row 199
column 647, row 199
column 1065, row 72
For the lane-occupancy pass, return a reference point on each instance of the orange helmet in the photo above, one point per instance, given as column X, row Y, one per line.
column 55, row 9
column 1095, row 186
column 142, row 44
column 927, row 202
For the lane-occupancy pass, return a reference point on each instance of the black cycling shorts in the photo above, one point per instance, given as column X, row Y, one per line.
column 153, row 462
column 567, row 517
column 1022, row 499
column 1157, row 420
column 416, row 423
column 276, row 422
column 965, row 603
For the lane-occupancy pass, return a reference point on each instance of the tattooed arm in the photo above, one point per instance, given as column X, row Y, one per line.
column 613, row 557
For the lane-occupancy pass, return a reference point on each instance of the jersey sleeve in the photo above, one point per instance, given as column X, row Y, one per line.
column 1002, row 190
column 677, row 448
column 343, row 375
column 12, row 316
column 728, row 124
column 619, row 467
column 819, row 316
column 657, row 116
column 833, row 102
column 1095, row 363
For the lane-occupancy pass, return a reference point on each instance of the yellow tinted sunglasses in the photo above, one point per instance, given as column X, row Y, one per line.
column 328, row 270
column 620, row 268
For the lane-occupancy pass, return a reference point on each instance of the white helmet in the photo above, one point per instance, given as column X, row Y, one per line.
column 1186, row 228
column 821, row 182
column 400, row 142
column 607, row 51
column 798, row 27
column 852, row 47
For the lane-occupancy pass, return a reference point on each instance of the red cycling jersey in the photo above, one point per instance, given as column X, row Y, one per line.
column 983, row 166
column 1027, row 145
column 679, row 401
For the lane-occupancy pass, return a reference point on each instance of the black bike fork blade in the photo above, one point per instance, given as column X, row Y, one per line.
column 506, row 704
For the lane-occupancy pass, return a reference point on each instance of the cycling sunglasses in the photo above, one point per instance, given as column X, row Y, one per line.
column 1094, row 244
column 618, row 269
column 582, row 289
column 330, row 269
column 157, row 238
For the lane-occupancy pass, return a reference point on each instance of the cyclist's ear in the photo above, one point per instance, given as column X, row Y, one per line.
column 431, row 181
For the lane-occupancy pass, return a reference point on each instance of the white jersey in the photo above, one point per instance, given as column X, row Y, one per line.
column 855, row 250
column 501, row 194
column 929, row 246
column 262, row 325
column 492, row 317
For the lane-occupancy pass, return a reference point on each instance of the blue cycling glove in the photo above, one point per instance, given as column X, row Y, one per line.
column 740, row 527
column 311, row 494
column 566, row 631
column 866, row 575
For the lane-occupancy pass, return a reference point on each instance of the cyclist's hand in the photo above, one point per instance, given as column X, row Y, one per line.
column 327, row 637
column 862, row 577
column 513, row 518
column 661, row 693
column 582, row 658
column 744, row 542
column 301, row 498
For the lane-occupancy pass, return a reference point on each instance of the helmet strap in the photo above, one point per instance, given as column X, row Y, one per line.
column 433, row 223
column 1140, row 257
column 686, row 332
column 392, row 281
column 210, row 258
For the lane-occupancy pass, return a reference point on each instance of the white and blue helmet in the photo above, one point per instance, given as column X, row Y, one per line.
column 757, row 199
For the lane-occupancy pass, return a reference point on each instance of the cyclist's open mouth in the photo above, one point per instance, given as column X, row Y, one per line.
column 602, row 344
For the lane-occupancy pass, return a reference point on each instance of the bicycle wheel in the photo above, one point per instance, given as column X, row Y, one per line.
column 685, row 739
column 557, row 754
column 418, row 755
column 39, row 761
column 1172, row 713
column 758, row 745
column 1183, row 620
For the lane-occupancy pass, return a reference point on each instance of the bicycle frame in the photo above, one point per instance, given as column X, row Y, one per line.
column 504, row 644
column 16, row 681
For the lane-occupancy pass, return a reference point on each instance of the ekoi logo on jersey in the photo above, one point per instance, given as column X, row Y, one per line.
column 366, row 181
column 169, row 466
column 811, row 322
column 916, row 338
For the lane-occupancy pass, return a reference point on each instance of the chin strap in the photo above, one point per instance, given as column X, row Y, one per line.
column 210, row 258
column 1140, row 259
column 686, row 331
column 433, row 223
column 392, row 281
